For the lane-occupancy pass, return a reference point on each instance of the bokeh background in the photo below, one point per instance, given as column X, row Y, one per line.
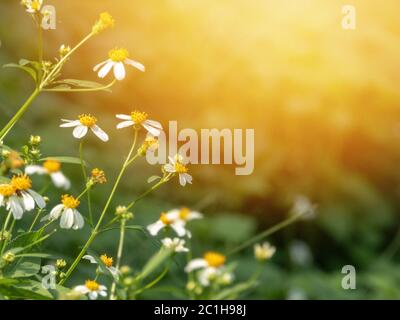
column 324, row 103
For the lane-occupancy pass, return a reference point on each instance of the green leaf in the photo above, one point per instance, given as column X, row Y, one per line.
column 28, row 70
column 153, row 178
column 154, row 262
column 24, row 269
column 26, row 238
column 81, row 84
column 72, row 160
column 25, row 289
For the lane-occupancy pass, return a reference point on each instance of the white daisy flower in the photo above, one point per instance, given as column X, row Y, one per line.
column 32, row 6
column 176, row 244
column 176, row 165
column 108, row 262
column 92, row 289
column 168, row 220
column 185, row 214
column 264, row 251
column 18, row 196
column 138, row 119
column 70, row 217
column 116, row 59
column 85, row 122
column 211, row 267
column 51, row 168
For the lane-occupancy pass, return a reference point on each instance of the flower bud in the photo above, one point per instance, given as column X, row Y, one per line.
column 8, row 257
column 61, row 263
column 104, row 22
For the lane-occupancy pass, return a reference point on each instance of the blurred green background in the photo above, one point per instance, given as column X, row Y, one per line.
column 324, row 103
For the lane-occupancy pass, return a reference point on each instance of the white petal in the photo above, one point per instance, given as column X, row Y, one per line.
column 67, row 219
column 35, row 169
column 38, row 198
column 56, row 211
column 1, row 201
column 70, row 123
column 154, row 131
column 105, row 69
column 182, row 180
column 194, row 215
column 169, row 168
column 155, row 227
column 27, row 199
column 123, row 117
column 97, row 66
column 60, row 181
column 154, row 124
column 196, row 264
column 119, row 71
column 78, row 220
column 80, row 131
column 15, row 207
column 135, row 64
column 124, row 124
column 81, row 289
column 204, row 276
column 103, row 293
column 99, row 133
column 179, row 228
column 93, row 295
column 90, row 258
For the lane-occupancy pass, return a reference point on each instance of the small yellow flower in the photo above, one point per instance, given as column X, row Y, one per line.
column 104, row 22
column 214, row 259
column 98, row 176
column 87, row 120
column 150, row 144
column 69, row 202
column 139, row 119
column 108, row 261
column 264, row 251
column 21, row 182
column 32, row 6
column 52, row 165
column 81, row 126
column 176, row 165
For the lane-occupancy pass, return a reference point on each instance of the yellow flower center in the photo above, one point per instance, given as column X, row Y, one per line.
column 180, row 168
column 108, row 261
column 214, row 259
column 35, row 5
column 52, row 166
column 21, row 182
column 7, row 190
column 184, row 213
column 87, row 120
column 139, row 117
column 92, row 285
column 118, row 54
column 98, row 176
column 164, row 219
column 105, row 21
column 69, row 201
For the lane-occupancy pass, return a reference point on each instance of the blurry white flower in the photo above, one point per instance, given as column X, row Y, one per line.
column 92, row 289
column 81, row 126
column 264, row 251
column 108, row 263
column 51, row 168
column 300, row 253
column 296, row 294
column 138, row 119
column 176, row 165
column 303, row 206
column 116, row 59
column 70, row 216
column 168, row 220
column 176, row 244
column 32, row 6
column 18, row 197
column 211, row 267
column 185, row 214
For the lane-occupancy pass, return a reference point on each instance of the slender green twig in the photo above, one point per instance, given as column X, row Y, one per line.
column 119, row 256
column 102, row 215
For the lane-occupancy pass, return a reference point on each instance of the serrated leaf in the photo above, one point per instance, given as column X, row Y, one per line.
column 24, row 269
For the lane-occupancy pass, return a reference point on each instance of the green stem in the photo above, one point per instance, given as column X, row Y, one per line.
column 35, row 219
column 152, row 283
column 86, row 181
column 7, row 240
column 102, row 215
column 18, row 115
column 119, row 256
column 266, row 233
column 158, row 184
column 40, row 48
